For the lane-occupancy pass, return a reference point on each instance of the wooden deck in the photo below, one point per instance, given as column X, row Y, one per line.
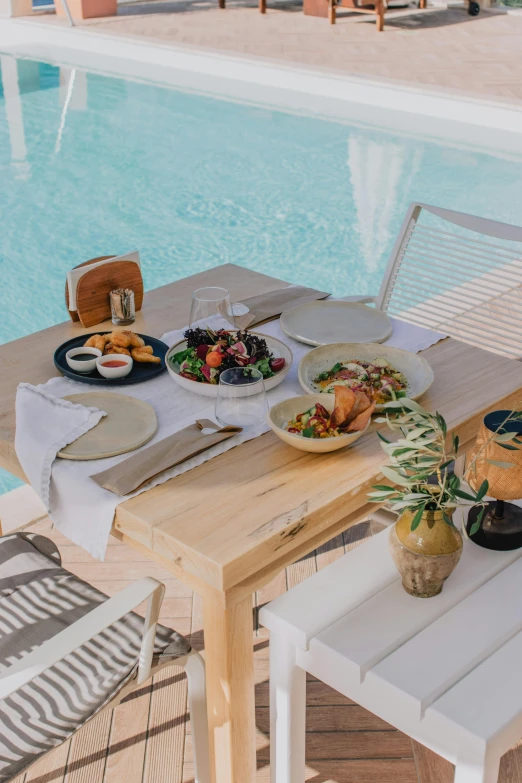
column 147, row 739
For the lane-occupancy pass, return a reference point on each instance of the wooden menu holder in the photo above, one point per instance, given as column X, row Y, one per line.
column 93, row 289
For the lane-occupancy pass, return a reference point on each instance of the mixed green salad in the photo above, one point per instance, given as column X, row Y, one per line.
column 209, row 353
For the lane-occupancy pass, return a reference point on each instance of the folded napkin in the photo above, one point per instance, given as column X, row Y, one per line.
column 44, row 426
column 135, row 471
column 266, row 306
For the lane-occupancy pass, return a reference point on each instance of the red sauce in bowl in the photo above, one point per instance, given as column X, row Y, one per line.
column 115, row 363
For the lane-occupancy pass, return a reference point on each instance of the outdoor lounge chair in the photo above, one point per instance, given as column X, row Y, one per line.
column 457, row 274
column 67, row 652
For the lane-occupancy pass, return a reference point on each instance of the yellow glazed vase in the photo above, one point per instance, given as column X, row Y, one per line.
column 426, row 556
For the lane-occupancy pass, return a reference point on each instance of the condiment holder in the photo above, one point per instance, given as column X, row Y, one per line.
column 108, row 273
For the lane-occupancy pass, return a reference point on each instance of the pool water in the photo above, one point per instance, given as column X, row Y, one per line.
column 92, row 165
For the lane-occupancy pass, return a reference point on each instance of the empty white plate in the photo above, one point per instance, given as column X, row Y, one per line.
column 322, row 323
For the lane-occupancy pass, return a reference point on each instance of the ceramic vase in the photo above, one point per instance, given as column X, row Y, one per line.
column 426, row 556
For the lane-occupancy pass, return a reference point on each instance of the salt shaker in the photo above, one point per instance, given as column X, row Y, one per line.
column 122, row 306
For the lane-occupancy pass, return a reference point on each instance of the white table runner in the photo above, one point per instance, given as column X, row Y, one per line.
column 81, row 509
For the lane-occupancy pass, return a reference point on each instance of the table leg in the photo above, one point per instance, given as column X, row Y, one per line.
column 287, row 714
column 379, row 10
column 229, row 656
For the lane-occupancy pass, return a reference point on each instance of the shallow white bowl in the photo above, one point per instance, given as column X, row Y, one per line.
column 276, row 347
column 83, row 367
column 283, row 412
column 114, row 372
column 414, row 366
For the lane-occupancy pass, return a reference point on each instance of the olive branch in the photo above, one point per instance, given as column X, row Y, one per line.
column 420, row 462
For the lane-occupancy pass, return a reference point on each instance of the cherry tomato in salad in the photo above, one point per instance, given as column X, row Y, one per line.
column 277, row 364
column 214, row 359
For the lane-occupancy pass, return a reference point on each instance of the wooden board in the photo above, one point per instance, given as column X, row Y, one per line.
column 93, row 289
column 129, row 424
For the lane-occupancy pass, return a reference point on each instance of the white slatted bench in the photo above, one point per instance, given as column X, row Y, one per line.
column 447, row 670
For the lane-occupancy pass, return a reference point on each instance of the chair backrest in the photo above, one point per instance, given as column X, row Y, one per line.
column 460, row 275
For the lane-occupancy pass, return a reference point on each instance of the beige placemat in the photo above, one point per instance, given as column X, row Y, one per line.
column 129, row 475
column 267, row 306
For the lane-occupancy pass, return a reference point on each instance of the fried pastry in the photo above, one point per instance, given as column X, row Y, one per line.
column 141, row 356
column 135, row 340
column 121, row 339
column 111, row 348
column 96, row 341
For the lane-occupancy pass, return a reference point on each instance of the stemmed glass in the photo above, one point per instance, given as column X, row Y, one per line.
column 241, row 398
column 211, row 308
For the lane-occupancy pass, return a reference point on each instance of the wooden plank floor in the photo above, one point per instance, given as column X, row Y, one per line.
column 148, row 739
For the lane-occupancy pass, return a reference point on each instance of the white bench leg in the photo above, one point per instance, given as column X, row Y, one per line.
column 287, row 714
column 477, row 768
column 197, row 697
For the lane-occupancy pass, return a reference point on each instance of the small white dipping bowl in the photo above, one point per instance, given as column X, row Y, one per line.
column 115, row 372
column 83, row 367
column 285, row 411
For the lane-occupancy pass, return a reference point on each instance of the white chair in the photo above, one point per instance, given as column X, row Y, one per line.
column 67, row 652
column 456, row 274
column 444, row 670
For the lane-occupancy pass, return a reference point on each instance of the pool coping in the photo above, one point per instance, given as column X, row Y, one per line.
column 465, row 120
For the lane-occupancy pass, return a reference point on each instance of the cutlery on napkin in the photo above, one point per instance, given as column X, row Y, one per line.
column 267, row 306
column 133, row 472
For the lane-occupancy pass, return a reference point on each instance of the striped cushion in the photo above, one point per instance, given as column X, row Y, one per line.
column 38, row 599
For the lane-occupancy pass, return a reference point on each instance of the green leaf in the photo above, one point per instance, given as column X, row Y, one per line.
column 447, row 519
column 504, row 437
column 508, row 446
column 446, row 464
column 384, row 488
column 477, row 523
column 442, row 424
column 415, row 522
column 482, row 490
column 394, row 476
column 464, row 495
column 499, row 464
column 456, row 443
column 379, row 435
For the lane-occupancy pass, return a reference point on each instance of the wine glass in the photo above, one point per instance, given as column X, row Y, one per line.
column 241, row 398
column 211, row 308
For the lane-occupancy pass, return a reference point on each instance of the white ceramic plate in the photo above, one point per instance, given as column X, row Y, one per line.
column 276, row 347
column 287, row 410
column 325, row 322
column 414, row 366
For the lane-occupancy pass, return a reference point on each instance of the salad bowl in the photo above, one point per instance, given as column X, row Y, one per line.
column 277, row 348
column 285, row 411
column 416, row 373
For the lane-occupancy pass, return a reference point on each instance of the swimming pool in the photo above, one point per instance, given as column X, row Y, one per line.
column 93, row 165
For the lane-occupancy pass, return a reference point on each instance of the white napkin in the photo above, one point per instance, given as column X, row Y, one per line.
column 84, row 511
column 44, row 426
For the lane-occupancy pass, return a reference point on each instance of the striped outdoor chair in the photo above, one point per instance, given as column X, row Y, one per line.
column 67, row 652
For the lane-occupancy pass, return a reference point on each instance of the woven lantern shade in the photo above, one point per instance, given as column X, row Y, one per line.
column 501, row 527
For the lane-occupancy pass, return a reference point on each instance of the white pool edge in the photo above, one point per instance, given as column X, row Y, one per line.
column 480, row 120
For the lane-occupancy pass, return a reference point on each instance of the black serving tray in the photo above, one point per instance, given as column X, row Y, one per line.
column 140, row 372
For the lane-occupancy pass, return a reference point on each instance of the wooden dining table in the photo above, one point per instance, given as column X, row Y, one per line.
column 227, row 527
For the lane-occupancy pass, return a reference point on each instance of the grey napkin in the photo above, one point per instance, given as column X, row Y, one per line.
column 267, row 306
column 132, row 473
